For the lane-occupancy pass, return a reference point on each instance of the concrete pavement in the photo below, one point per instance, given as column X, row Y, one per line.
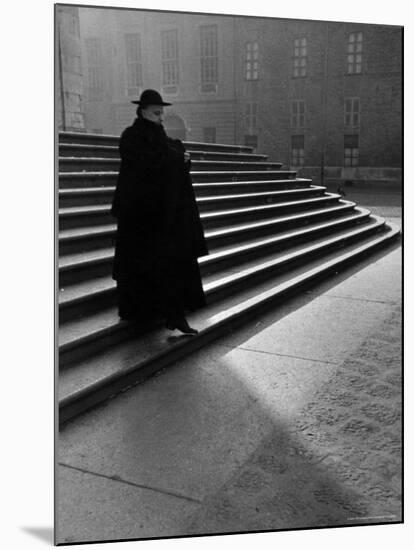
column 291, row 421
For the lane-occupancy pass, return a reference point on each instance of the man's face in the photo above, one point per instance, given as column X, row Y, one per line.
column 154, row 113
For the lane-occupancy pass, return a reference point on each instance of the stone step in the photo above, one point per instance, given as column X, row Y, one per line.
column 89, row 164
column 110, row 151
column 95, row 378
column 102, row 179
column 111, row 140
column 72, row 217
column 74, row 196
column 84, row 239
column 82, row 336
column 88, row 150
column 78, row 300
column 98, row 196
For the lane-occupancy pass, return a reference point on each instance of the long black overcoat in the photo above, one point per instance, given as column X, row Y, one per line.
column 158, row 221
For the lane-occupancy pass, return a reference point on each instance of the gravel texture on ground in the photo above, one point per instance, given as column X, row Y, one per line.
column 337, row 463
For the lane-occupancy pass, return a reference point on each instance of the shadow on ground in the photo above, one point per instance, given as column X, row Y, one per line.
column 43, row 533
column 235, row 449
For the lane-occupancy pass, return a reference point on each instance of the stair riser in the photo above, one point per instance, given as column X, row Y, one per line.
column 105, row 300
column 97, row 242
column 229, row 238
column 97, row 152
column 218, row 204
column 262, row 275
column 71, row 355
column 86, row 180
column 113, row 141
column 89, row 306
column 257, row 253
column 81, row 273
column 89, row 199
column 86, row 244
column 68, row 357
column 214, row 242
column 255, row 187
column 217, row 148
column 85, row 220
column 69, row 151
column 230, row 220
column 102, row 180
column 67, row 164
column 87, row 139
column 72, row 408
column 105, row 196
column 101, row 218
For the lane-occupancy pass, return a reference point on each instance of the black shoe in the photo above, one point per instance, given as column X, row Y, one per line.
column 181, row 324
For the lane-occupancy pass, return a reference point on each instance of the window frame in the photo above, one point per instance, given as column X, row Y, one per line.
column 251, row 60
column 297, row 150
column 94, row 64
column 352, row 116
column 300, row 57
column 134, row 80
column 297, row 115
column 208, row 59
column 250, row 115
column 351, row 150
column 170, row 66
column 354, row 53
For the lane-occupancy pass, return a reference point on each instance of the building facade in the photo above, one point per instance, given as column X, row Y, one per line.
column 68, row 68
column 182, row 56
column 321, row 97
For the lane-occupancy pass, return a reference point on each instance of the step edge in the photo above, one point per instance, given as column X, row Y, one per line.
column 213, row 288
column 212, row 258
column 92, row 210
column 214, row 234
column 228, row 316
column 211, row 233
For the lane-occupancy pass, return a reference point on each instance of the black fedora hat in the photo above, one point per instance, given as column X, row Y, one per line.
column 150, row 97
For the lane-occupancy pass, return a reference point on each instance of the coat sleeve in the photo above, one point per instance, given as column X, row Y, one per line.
column 176, row 151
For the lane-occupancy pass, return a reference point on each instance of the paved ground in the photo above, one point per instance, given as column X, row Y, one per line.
column 383, row 202
column 292, row 421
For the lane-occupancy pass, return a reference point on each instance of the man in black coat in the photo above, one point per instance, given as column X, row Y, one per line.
column 159, row 232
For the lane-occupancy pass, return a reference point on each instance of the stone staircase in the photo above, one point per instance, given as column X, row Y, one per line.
column 269, row 233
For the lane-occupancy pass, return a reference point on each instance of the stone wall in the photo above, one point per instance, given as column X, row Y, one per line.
column 69, row 85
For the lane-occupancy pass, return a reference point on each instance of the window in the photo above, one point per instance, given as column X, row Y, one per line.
column 352, row 112
column 251, row 141
column 300, row 57
column 208, row 58
column 252, row 61
column 298, row 150
column 133, row 63
column 169, row 55
column 351, row 150
column 251, row 115
column 298, row 113
column 354, row 53
column 209, row 135
column 94, row 62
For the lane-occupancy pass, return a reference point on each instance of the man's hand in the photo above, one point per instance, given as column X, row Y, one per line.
column 187, row 156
